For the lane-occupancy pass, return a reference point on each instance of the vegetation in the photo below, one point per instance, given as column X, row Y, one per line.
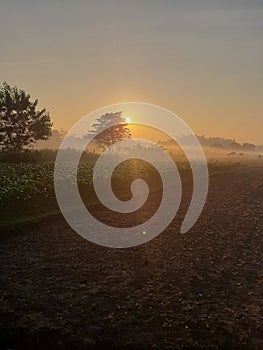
column 215, row 142
column 109, row 129
column 27, row 186
column 21, row 124
column 27, row 189
column 42, row 156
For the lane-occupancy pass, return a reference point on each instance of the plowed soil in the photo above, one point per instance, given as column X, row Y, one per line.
column 199, row 290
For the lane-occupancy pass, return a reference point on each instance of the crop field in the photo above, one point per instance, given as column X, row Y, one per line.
column 27, row 190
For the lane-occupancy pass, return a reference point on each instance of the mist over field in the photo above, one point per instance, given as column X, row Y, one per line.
column 131, row 175
column 217, row 148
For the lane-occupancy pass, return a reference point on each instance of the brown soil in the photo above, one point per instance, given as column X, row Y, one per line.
column 200, row 290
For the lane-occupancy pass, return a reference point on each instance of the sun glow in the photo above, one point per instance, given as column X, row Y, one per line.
column 128, row 120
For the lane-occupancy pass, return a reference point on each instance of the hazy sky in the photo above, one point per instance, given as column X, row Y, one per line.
column 201, row 59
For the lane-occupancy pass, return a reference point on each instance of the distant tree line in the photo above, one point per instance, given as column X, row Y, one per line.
column 216, row 142
column 219, row 142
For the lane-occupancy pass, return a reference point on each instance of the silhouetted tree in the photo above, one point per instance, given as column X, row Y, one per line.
column 108, row 132
column 21, row 124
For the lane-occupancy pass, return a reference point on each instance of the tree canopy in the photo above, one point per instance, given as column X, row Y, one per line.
column 109, row 129
column 21, row 124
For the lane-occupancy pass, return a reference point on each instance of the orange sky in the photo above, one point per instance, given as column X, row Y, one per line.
column 200, row 59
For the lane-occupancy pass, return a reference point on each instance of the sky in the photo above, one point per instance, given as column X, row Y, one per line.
column 201, row 59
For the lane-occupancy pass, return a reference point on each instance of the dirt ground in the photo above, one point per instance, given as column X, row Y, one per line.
column 200, row 290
